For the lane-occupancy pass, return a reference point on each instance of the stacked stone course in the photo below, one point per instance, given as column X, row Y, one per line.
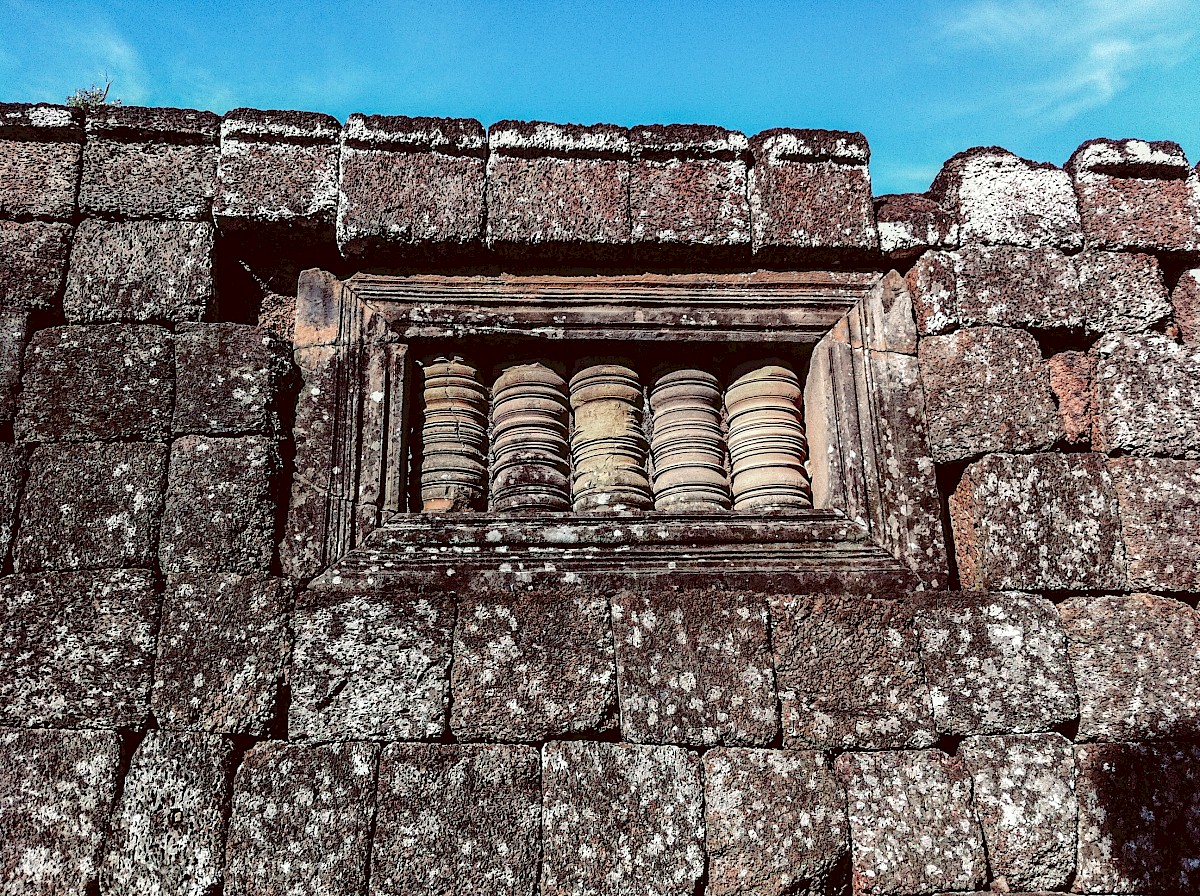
column 187, row 705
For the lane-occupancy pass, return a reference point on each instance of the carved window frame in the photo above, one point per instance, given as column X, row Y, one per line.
column 876, row 522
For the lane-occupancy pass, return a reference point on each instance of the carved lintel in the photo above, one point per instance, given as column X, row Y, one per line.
column 687, row 444
column 453, row 437
column 530, row 466
column 608, row 447
column 767, row 448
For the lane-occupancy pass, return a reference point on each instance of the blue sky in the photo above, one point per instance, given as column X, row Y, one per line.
column 922, row 80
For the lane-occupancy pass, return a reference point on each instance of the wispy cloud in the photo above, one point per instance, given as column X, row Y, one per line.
column 1057, row 60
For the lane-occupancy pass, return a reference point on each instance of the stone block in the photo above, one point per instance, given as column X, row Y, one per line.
column 532, row 666
column 58, row 787
column 552, row 185
column 1039, row 522
column 91, row 505
column 775, row 823
column 621, row 819
column 811, row 190
column 277, row 169
column 910, row 223
column 933, row 284
column 370, row 665
column 1185, row 301
column 220, row 513
column 77, row 648
column 986, row 389
column 1073, row 381
column 1001, row 199
column 1137, row 194
column 911, row 825
column 1146, row 396
column 114, row 381
column 33, row 264
column 227, row 379
column 14, row 327
column 1137, row 665
column 12, row 477
column 223, row 649
column 849, row 675
column 1139, row 818
column 142, row 162
column 40, row 149
column 168, row 828
column 1160, row 516
column 457, row 819
column 410, row 182
column 694, row 668
column 1123, row 292
column 300, row 820
column 688, row 186
column 140, row 271
column 1024, row 797
column 995, row 663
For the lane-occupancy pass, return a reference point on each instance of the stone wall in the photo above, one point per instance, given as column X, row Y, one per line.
column 185, row 709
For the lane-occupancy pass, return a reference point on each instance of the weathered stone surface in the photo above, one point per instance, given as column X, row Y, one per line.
column 995, row 663
column 39, row 160
column 58, row 787
column 96, row 383
column 227, row 379
column 694, row 668
column 140, row 271
column 532, row 666
column 688, row 186
column 222, row 652
column 1160, row 516
column 775, row 823
column 219, row 514
column 370, row 665
column 986, row 389
column 13, row 329
column 1039, row 522
column 300, row 820
column 910, row 223
column 1123, row 292
column 1146, row 396
column 811, row 190
column 1001, row 199
column 621, row 819
column 91, row 505
column 168, row 830
column 911, row 823
column 1186, row 303
column 410, row 182
column 457, row 819
column 33, row 263
column 1137, row 666
column 12, row 477
column 849, row 674
column 454, row 434
column 77, row 648
column 551, row 184
column 1139, row 818
column 933, row 283
column 1137, row 194
column 1024, row 797
column 277, row 168
column 142, row 162
column 1073, row 380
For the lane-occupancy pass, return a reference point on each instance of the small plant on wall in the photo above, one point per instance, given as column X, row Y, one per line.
column 92, row 96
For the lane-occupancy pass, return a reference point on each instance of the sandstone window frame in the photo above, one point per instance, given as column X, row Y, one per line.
column 875, row 525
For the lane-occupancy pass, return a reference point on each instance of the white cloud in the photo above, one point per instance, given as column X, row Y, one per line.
column 1063, row 58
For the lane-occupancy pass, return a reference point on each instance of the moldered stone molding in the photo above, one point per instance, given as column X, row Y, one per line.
column 847, row 344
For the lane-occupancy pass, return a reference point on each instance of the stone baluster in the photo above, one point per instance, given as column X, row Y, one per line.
column 530, row 467
column 767, row 447
column 687, row 444
column 608, row 447
column 453, row 437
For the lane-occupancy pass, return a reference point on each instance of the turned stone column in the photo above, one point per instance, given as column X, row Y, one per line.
column 686, row 443
column 530, row 467
column 453, row 437
column 608, row 447
column 767, row 448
